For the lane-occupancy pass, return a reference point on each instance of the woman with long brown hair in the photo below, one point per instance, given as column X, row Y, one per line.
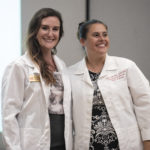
column 36, row 94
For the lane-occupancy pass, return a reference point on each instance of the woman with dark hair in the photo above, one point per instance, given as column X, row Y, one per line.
column 36, row 94
column 111, row 109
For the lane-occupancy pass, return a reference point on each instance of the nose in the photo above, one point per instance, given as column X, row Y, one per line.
column 101, row 37
column 50, row 32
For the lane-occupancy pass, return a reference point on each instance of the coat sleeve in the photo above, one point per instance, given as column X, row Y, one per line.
column 12, row 100
column 140, row 92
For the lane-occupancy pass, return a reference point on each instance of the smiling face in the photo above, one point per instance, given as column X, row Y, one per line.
column 97, row 40
column 48, row 34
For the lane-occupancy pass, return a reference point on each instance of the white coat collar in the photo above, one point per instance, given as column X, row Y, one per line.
column 81, row 69
column 59, row 63
column 31, row 63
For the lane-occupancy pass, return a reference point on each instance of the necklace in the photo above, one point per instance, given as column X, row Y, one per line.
column 94, row 68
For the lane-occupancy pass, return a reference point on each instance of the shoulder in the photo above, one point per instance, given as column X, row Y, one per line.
column 19, row 64
column 14, row 70
column 121, row 61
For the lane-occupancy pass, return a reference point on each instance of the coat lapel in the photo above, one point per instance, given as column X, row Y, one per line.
column 36, row 71
column 60, row 64
column 81, row 69
column 109, row 66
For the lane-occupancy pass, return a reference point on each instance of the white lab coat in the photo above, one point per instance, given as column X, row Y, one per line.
column 126, row 94
column 25, row 95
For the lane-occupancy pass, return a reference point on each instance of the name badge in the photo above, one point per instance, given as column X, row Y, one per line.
column 34, row 78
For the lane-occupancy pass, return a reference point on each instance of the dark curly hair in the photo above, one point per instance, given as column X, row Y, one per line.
column 84, row 27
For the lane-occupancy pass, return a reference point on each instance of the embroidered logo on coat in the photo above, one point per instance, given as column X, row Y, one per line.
column 118, row 76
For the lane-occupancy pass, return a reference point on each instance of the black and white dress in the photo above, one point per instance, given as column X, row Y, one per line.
column 103, row 135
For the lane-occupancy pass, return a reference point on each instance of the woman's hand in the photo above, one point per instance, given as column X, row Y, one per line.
column 146, row 145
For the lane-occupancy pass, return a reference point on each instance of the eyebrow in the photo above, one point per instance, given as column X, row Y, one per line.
column 99, row 32
column 48, row 25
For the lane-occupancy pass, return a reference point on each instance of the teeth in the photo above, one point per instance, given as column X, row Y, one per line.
column 49, row 40
column 101, row 45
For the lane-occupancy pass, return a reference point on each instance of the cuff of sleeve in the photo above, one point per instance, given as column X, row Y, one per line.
column 145, row 134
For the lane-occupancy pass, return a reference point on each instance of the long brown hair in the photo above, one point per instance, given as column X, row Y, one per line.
column 33, row 46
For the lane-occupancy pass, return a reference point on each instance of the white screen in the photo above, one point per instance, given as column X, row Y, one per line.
column 10, row 35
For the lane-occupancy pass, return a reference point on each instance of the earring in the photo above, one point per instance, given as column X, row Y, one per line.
column 54, row 51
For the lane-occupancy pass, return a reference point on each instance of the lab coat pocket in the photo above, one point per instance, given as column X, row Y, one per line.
column 30, row 138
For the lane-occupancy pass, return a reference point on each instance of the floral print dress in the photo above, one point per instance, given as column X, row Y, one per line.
column 103, row 135
column 56, row 113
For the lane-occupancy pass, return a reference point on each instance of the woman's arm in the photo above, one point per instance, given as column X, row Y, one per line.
column 146, row 145
column 140, row 90
column 12, row 99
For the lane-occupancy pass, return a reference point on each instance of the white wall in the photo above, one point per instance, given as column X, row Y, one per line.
column 73, row 12
column 10, row 34
column 128, row 22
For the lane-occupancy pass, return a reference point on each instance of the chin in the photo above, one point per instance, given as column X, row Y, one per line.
column 102, row 51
